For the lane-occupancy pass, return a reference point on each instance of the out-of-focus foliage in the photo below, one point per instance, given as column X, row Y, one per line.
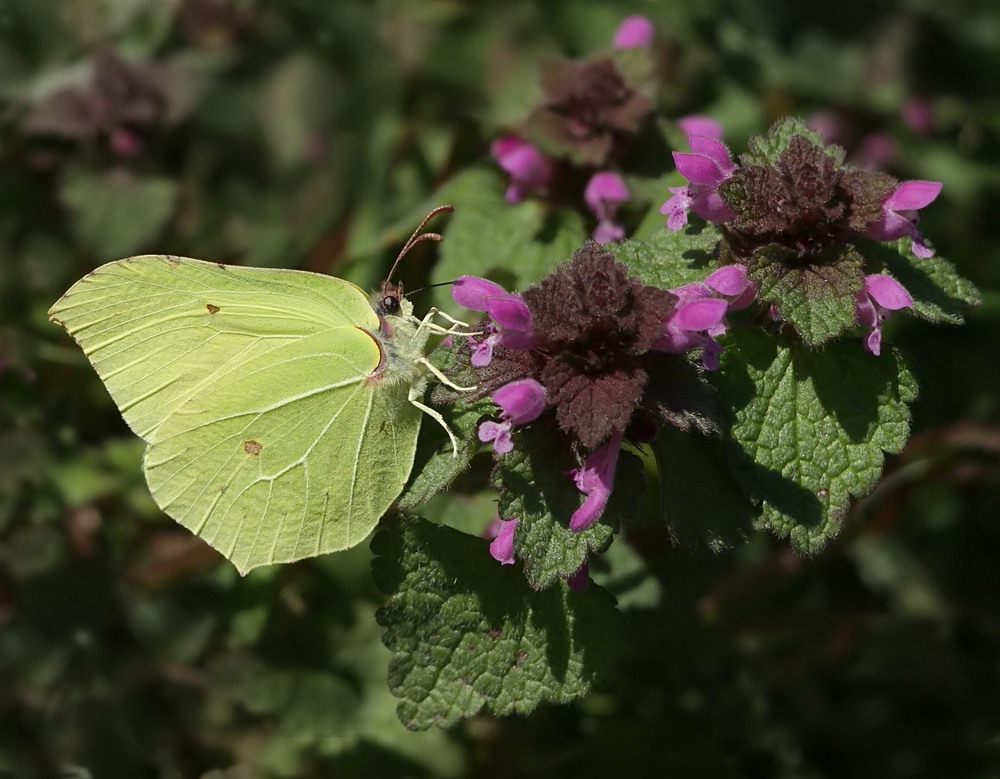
column 308, row 134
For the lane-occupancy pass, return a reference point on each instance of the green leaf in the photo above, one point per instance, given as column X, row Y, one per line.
column 700, row 498
column 671, row 258
column 467, row 633
column 765, row 149
column 515, row 244
column 535, row 488
column 118, row 213
column 816, row 298
column 939, row 293
column 810, row 427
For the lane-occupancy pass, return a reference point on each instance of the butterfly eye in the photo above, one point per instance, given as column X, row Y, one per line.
column 390, row 304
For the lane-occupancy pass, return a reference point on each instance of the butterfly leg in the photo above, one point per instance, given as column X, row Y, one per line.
column 436, row 417
column 457, row 327
column 441, row 377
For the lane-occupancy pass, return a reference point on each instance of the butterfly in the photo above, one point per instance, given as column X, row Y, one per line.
column 280, row 408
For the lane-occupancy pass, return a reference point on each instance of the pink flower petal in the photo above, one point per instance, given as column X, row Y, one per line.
column 596, row 479
column 728, row 280
column 864, row 309
column 608, row 231
column 632, row 32
column 911, row 195
column 887, row 292
column 475, row 293
column 697, row 168
column 604, row 186
column 510, row 311
column 699, row 314
column 873, row 343
column 577, row 580
column 522, row 400
column 676, row 208
column 700, row 125
column 714, row 149
column 502, row 547
column 710, row 206
column 499, row 434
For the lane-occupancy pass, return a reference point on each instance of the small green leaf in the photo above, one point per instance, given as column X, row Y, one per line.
column 467, row 633
column 671, row 258
column 700, row 498
column 765, row 149
column 117, row 214
column 811, row 427
column 815, row 297
column 536, row 489
column 939, row 293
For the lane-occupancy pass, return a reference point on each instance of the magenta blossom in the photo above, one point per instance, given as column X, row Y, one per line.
column 529, row 169
column 511, row 325
column 706, row 166
column 604, row 193
column 899, row 214
column 520, row 402
column 699, row 316
column 502, row 546
column 577, row 580
column 873, row 304
column 875, row 151
column 595, row 480
column 918, row 114
column 700, row 125
column 633, row 32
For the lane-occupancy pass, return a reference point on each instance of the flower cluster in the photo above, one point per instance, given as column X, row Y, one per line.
column 794, row 201
column 588, row 115
column 585, row 348
column 122, row 104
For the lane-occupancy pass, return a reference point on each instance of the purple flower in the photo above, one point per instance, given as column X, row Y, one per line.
column 700, row 125
column 732, row 283
column 706, row 166
column 699, row 317
column 511, row 326
column 918, row 114
column 502, row 546
column 872, row 305
column 577, row 580
column 875, row 151
column 634, row 31
column 520, row 402
column 899, row 214
column 529, row 169
column 604, row 193
column 595, row 480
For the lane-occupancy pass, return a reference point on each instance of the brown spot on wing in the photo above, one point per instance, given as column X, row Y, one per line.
column 252, row 448
column 212, row 309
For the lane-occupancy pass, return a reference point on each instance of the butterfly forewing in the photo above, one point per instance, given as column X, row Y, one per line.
column 158, row 329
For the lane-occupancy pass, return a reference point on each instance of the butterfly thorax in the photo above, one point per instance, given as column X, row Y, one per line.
column 400, row 339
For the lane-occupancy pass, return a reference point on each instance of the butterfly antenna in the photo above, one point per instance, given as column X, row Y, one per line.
column 430, row 286
column 417, row 236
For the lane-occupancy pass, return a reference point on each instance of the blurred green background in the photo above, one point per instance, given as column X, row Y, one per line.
column 307, row 134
